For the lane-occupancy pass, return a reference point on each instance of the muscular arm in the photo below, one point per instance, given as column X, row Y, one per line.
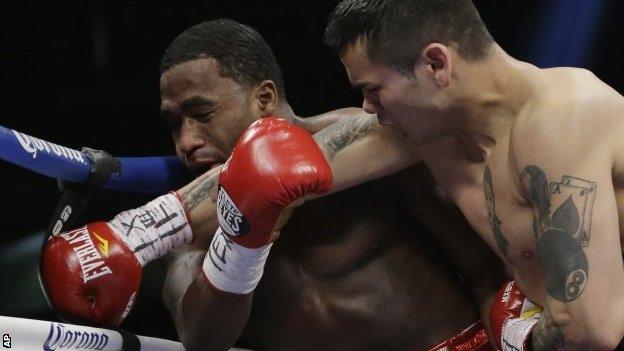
column 315, row 124
column 205, row 318
column 567, row 174
column 200, row 201
column 359, row 149
column 578, row 248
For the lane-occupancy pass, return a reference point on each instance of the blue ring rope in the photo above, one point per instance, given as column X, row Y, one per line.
column 153, row 175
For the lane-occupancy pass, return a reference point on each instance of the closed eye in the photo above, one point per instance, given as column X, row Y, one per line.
column 202, row 116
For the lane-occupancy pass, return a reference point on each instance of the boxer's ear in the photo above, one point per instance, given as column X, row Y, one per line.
column 266, row 97
column 436, row 59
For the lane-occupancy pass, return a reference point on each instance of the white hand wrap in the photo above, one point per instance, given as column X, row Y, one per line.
column 233, row 268
column 153, row 230
column 517, row 331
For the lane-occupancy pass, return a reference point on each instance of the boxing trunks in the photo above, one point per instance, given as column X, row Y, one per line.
column 473, row 338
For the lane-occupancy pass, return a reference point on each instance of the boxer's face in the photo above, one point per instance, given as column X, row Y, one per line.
column 413, row 103
column 205, row 111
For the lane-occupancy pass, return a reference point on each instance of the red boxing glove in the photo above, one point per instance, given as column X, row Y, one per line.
column 273, row 164
column 513, row 317
column 91, row 275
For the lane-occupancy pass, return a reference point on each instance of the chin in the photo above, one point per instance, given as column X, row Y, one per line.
column 420, row 139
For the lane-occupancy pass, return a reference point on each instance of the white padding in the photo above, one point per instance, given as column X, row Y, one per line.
column 29, row 335
column 153, row 230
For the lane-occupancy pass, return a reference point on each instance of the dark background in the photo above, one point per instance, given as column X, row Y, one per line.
column 85, row 73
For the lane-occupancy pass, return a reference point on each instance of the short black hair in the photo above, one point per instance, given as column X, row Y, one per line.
column 395, row 31
column 240, row 50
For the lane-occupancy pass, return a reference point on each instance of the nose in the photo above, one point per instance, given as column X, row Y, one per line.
column 370, row 106
column 190, row 138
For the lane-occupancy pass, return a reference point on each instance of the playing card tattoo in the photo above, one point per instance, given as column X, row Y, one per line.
column 562, row 226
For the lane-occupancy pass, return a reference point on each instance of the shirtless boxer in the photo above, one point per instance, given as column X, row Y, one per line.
column 343, row 275
column 534, row 158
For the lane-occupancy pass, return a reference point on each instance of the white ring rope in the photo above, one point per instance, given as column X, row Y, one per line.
column 30, row 335
column 34, row 335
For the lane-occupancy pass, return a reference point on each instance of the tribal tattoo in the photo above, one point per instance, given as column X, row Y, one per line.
column 338, row 136
column 495, row 222
column 205, row 186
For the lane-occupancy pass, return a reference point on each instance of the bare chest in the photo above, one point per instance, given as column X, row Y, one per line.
column 490, row 198
column 352, row 272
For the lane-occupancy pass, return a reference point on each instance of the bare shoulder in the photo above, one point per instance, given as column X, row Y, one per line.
column 319, row 122
column 574, row 116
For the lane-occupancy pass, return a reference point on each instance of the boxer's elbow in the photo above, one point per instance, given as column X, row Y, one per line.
column 608, row 334
column 597, row 329
column 204, row 339
column 196, row 337
column 194, row 342
column 604, row 339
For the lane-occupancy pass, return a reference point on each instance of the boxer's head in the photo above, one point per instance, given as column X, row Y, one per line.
column 408, row 58
column 216, row 79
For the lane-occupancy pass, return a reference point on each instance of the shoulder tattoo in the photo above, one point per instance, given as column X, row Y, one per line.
column 338, row 136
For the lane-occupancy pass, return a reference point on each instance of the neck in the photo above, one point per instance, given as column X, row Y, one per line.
column 286, row 112
column 495, row 92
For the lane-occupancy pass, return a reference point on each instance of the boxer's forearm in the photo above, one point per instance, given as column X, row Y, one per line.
column 208, row 319
column 317, row 123
column 547, row 335
column 359, row 149
column 567, row 332
column 204, row 318
column 550, row 335
column 200, row 201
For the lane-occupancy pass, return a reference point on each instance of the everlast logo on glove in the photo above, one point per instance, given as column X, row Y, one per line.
column 91, row 264
column 231, row 219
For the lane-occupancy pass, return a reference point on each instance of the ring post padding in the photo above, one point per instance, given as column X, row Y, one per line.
column 150, row 175
column 29, row 334
column 43, row 157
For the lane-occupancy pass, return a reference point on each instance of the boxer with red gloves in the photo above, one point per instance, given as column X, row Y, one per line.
column 356, row 270
column 92, row 274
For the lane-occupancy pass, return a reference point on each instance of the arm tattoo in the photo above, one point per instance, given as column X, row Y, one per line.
column 562, row 225
column 547, row 335
column 205, row 186
column 538, row 195
column 338, row 136
column 495, row 222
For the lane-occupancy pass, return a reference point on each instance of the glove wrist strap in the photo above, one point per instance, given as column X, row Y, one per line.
column 152, row 230
column 233, row 268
